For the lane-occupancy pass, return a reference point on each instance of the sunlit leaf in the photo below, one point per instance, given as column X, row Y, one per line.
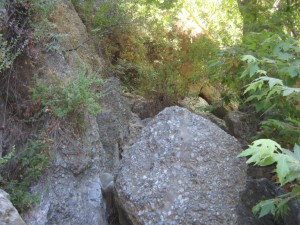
column 249, row 58
column 264, row 208
column 288, row 91
column 282, row 168
column 297, row 151
column 253, row 68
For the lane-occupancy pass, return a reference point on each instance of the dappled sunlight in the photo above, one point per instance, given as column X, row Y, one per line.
column 188, row 26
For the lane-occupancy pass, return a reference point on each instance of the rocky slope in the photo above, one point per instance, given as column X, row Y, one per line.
column 180, row 169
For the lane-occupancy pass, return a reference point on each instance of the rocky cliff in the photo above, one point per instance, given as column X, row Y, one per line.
column 178, row 169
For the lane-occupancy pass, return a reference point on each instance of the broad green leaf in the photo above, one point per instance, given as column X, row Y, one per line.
column 264, row 208
column 272, row 81
column 269, row 160
column 284, row 46
column 249, row 151
column 256, row 209
column 256, row 84
column 284, row 56
column 297, row 151
column 250, row 98
column 249, row 58
column 253, row 68
column 267, row 208
column 273, row 91
column 288, row 152
column 282, row 168
column 268, row 145
column 288, row 91
column 261, row 105
column 255, row 158
column 262, row 152
column 293, row 71
column 294, row 175
column 245, row 73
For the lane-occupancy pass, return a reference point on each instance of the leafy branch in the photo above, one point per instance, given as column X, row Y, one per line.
column 266, row 152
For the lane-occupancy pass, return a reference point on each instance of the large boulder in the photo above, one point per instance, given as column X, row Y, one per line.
column 183, row 170
column 8, row 213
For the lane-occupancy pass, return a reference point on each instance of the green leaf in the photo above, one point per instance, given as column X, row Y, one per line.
column 284, row 56
column 245, row 73
column 253, row 68
column 294, row 175
column 282, row 168
column 256, row 209
column 250, row 151
column 273, row 81
column 262, row 152
column 288, row 91
column 297, row 151
column 249, row 58
column 256, row 84
column 264, row 208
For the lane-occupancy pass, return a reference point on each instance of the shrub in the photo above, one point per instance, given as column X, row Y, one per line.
column 70, row 96
column 274, row 94
column 24, row 170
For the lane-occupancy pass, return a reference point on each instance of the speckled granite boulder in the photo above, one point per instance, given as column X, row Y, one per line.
column 8, row 214
column 183, row 170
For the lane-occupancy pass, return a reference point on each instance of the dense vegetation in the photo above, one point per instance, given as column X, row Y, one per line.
column 248, row 49
column 165, row 49
column 26, row 33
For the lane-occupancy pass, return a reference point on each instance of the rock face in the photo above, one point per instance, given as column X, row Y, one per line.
column 8, row 214
column 78, row 187
column 242, row 125
column 183, row 170
column 70, row 192
column 113, row 123
column 194, row 104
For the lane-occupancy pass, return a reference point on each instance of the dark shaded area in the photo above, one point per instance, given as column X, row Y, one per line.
column 263, row 189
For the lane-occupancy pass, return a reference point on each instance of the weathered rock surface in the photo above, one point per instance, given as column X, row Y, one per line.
column 183, row 170
column 118, row 126
column 70, row 192
column 144, row 108
column 242, row 125
column 195, row 104
column 78, row 189
column 8, row 213
column 210, row 93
